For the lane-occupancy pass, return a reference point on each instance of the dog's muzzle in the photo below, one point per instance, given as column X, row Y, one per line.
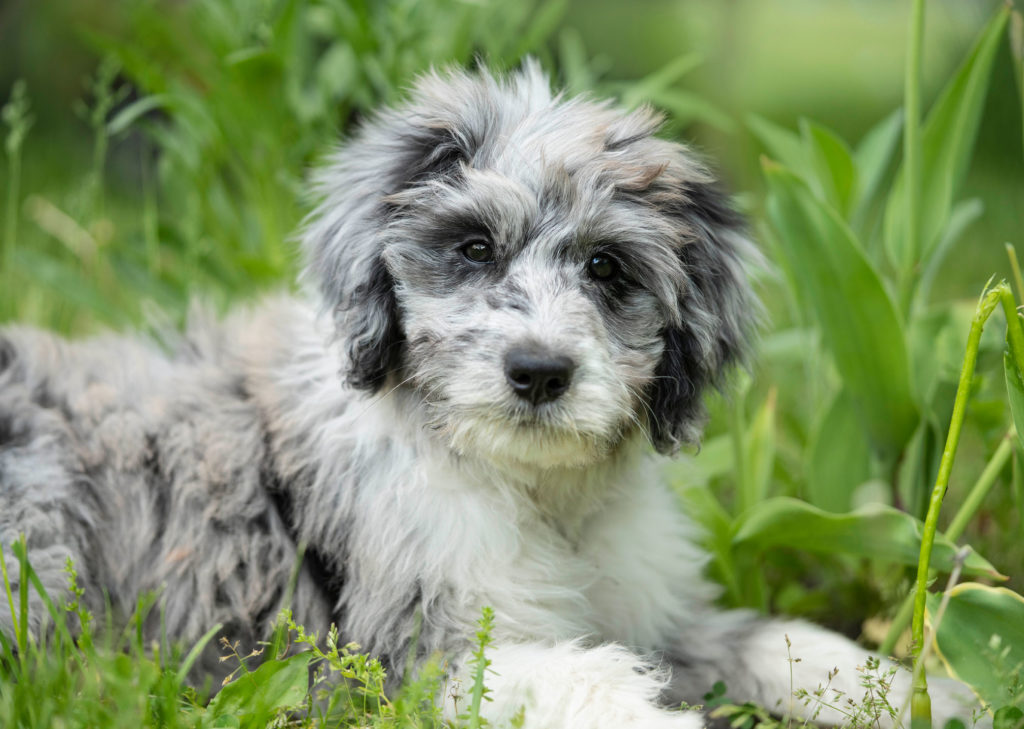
column 538, row 375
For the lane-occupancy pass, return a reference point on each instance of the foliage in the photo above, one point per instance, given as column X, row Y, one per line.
column 858, row 245
column 818, row 469
column 76, row 674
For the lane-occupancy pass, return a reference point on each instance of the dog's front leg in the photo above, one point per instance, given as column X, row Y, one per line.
column 566, row 686
column 794, row 668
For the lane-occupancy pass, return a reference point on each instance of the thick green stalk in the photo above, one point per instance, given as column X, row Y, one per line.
column 920, row 706
column 912, row 147
column 963, row 516
column 1014, row 332
column 1011, row 253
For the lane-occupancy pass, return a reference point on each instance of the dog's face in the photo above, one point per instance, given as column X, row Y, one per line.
column 546, row 275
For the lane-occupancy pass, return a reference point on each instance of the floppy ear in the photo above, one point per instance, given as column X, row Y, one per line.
column 346, row 234
column 717, row 312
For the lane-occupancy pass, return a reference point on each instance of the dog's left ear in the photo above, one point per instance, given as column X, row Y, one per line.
column 717, row 310
column 397, row 151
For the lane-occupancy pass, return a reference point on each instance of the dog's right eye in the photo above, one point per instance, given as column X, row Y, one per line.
column 478, row 251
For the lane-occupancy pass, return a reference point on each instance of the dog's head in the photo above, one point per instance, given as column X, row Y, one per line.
column 545, row 273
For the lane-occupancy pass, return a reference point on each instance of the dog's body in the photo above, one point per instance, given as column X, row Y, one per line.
column 523, row 293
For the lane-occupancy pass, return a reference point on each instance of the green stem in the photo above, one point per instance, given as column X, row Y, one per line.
column 988, row 303
column 1014, row 332
column 912, row 147
column 956, row 527
column 1011, row 253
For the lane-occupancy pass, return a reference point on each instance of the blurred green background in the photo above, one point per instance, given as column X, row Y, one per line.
column 839, row 62
column 170, row 142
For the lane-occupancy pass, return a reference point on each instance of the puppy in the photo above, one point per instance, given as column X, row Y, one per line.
column 522, row 294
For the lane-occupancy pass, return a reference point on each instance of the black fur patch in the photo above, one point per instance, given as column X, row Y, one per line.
column 376, row 339
column 710, row 261
column 7, row 354
column 675, row 398
column 433, row 153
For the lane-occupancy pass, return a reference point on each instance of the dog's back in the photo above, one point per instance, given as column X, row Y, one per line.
column 148, row 468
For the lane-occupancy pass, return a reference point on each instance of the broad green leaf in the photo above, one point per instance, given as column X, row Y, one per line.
column 1015, row 394
column 981, row 639
column 833, row 165
column 839, row 457
column 946, row 142
column 783, row 145
column 858, row 320
column 873, row 155
column 257, row 696
column 876, row 530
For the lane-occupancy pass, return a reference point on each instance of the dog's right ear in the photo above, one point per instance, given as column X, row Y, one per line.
column 345, row 236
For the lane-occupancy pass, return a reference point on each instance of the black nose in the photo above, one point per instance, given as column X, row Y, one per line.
column 538, row 376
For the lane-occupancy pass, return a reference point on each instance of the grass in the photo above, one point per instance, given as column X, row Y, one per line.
column 89, row 675
column 203, row 120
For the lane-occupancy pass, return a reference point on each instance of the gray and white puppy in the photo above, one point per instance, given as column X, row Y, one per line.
column 522, row 292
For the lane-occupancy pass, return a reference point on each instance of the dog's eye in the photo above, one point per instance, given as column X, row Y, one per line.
column 478, row 251
column 602, row 267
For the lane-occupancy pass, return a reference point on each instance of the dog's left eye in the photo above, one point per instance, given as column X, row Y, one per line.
column 602, row 267
column 478, row 251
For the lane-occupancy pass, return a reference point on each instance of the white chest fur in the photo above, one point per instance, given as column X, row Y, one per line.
column 570, row 555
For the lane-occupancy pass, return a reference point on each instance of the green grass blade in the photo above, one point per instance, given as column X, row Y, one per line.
column 759, row 454
column 831, row 272
column 193, row 654
column 833, row 164
column 1017, row 48
column 546, row 18
column 947, row 139
column 657, row 81
column 782, row 145
column 873, row 156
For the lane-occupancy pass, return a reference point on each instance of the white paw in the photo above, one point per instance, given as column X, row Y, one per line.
column 568, row 687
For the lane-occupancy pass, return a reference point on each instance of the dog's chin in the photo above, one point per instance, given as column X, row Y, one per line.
column 529, row 442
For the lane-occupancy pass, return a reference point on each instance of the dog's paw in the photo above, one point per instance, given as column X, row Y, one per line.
column 569, row 687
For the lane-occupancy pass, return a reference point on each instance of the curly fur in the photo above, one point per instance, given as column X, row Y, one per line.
column 419, row 481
